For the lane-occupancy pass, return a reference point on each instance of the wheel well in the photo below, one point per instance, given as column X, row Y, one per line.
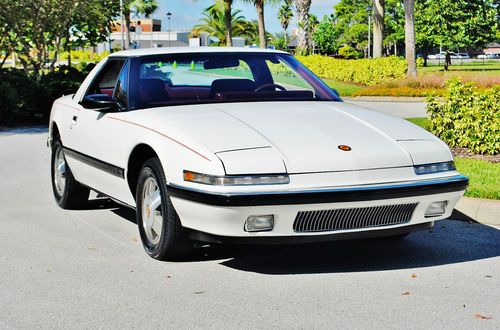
column 54, row 131
column 139, row 155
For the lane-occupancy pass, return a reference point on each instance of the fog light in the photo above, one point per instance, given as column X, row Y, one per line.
column 436, row 209
column 259, row 223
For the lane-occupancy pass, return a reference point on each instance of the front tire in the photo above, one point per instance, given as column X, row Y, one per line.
column 68, row 193
column 162, row 234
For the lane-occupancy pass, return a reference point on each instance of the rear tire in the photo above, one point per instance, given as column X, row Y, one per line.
column 162, row 234
column 68, row 193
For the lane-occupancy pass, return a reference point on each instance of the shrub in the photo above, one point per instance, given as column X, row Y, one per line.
column 468, row 117
column 26, row 100
column 84, row 55
column 365, row 71
column 398, row 91
column 349, row 52
column 420, row 62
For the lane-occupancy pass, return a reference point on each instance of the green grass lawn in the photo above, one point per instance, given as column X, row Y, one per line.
column 344, row 89
column 422, row 122
column 484, row 177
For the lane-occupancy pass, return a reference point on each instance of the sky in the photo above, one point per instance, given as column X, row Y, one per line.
column 186, row 13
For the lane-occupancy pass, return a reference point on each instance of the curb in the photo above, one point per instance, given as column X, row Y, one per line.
column 485, row 211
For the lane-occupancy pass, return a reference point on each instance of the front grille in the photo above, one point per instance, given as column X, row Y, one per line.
column 354, row 218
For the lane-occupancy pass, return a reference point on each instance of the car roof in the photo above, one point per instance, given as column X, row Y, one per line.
column 190, row 50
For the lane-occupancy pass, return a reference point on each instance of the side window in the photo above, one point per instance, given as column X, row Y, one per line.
column 122, row 86
column 106, row 78
column 287, row 77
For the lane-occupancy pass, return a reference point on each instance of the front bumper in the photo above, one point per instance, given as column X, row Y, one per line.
column 224, row 215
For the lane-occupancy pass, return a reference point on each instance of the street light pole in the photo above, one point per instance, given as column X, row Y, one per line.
column 169, row 16
column 121, row 25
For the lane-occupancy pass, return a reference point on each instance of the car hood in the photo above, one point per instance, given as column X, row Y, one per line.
column 305, row 135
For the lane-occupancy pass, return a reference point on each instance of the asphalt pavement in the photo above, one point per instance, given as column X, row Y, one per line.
column 87, row 269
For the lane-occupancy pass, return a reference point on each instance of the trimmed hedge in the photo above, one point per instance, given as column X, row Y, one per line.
column 25, row 100
column 365, row 71
column 468, row 117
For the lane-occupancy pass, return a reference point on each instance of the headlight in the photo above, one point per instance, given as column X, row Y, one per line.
column 434, row 168
column 236, row 180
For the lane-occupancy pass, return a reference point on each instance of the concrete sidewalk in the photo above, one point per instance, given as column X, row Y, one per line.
column 485, row 211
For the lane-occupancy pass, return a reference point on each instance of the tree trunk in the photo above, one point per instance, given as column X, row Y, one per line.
column 410, row 38
column 5, row 59
column 286, row 39
column 302, row 7
column 259, row 5
column 378, row 27
column 126, row 14
column 67, row 46
column 228, row 22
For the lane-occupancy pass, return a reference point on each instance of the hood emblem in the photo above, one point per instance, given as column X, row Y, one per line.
column 343, row 147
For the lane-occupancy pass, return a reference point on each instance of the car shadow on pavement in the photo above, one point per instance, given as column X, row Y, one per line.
column 449, row 242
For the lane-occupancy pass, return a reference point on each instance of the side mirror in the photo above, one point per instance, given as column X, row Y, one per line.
column 100, row 102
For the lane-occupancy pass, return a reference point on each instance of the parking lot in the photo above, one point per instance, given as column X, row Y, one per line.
column 87, row 269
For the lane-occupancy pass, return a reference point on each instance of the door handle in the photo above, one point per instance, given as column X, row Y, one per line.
column 73, row 122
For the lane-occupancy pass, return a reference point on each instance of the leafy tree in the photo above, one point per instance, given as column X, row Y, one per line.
column 303, row 7
column 5, row 44
column 90, row 24
column 455, row 24
column 394, row 22
column 213, row 23
column 285, row 15
column 37, row 27
column 326, row 35
column 259, row 6
column 280, row 41
column 225, row 6
column 136, row 7
column 352, row 22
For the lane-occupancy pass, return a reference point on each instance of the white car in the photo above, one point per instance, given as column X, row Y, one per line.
column 246, row 146
column 442, row 55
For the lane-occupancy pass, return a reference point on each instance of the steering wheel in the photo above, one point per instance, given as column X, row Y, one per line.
column 258, row 89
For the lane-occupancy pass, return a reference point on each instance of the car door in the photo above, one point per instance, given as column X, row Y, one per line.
column 96, row 144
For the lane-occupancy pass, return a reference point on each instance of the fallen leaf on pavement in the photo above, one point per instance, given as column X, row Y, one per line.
column 414, row 276
column 482, row 317
column 406, row 293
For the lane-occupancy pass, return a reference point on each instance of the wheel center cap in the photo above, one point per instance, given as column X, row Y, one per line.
column 148, row 211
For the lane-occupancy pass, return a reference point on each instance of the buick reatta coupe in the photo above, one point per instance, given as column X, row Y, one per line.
column 242, row 145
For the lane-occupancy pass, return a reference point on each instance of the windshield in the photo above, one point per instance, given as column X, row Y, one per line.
column 222, row 77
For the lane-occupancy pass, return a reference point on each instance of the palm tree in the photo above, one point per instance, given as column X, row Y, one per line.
column 410, row 38
column 138, row 7
column 225, row 6
column 285, row 15
column 214, row 23
column 259, row 6
column 378, row 27
column 302, row 7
